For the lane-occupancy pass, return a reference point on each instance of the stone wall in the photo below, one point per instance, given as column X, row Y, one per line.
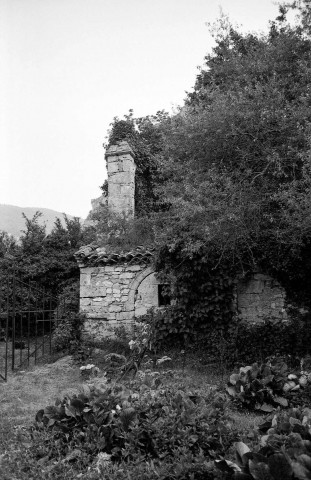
column 121, row 179
column 110, row 294
column 114, row 295
column 260, row 297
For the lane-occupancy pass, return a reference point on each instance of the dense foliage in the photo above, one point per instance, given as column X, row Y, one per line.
column 283, row 453
column 39, row 278
column 46, row 259
column 263, row 386
column 155, row 426
column 137, row 424
column 115, row 232
column 237, row 158
column 223, row 186
column 234, row 173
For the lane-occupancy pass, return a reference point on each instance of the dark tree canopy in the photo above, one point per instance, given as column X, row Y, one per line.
column 237, row 156
column 46, row 259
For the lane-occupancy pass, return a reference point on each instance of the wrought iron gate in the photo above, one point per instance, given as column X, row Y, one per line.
column 28, row 316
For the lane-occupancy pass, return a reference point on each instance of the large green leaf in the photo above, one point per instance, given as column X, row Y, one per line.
column 227, row 466
column 231, row 390
column 244, row 370
column 265, row 370
column 263, row 427
column 50, row 411
column 280, row 467
column 302, row 467
column 255, row 457
column 256, row 385
column 266, row 407
column 267, row 379
column 234, row 378
column 281, row 401
column 241, row 450
column 70, row 411
column 280, row 367
column 254, row 371
column 260, row 471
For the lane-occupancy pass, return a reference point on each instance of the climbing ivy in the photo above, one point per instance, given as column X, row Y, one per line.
column 144, row 135
column 202, row 293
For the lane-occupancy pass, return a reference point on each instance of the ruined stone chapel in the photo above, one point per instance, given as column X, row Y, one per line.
column 116, row 288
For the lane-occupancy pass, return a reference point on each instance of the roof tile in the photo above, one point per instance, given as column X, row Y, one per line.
column 93, row 255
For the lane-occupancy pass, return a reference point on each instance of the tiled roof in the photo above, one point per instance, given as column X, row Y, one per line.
column 95, row 256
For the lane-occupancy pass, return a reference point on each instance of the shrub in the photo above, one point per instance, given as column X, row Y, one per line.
column 260, row 386
column 283, row 453
column 291, row 339
column 268, row 385
column 67, row 334
column 136, row 426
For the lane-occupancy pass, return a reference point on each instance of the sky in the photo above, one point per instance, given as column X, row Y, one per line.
column 68, row 67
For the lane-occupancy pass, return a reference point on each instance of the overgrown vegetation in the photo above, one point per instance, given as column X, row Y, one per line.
column 240, row 343
column 162, row 424
column 143, row 422
column 144, row 135
column 133, row 417
column 39, row 272
column 268, row 385
column 223, row 185
column 46, row 259
column 283, row 453
column 238, row 172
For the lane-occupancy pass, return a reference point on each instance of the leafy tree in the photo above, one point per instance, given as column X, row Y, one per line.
column 226, row 181
column 303, row 8
column 34, row 235
column 47, row 259
column 8, row 245
column 237, row 162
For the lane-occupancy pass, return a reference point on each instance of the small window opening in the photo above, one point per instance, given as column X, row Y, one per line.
column 164, row 298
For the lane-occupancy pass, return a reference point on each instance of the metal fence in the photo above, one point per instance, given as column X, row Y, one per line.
column 28, row 316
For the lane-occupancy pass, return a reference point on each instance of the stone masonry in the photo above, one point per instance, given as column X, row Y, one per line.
column 110, row 283
column 109, row 294
column 121, row 179
column 115, row 288
column 259, row 298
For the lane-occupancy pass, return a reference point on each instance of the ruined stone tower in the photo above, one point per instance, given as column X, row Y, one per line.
column 121, row 179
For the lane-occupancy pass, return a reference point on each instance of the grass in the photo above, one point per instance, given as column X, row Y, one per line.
column 26, row 392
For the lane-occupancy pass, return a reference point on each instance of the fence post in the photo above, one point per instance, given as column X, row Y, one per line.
column 13, row 318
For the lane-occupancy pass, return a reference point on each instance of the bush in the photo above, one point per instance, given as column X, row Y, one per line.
column 241, row 343
column 67, row 335
column 135, row 427
column 260, row 386
column 291, row 338
column 283, row 453
column 269, row 385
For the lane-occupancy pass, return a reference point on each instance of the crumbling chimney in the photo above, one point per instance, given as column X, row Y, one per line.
column 121, row 179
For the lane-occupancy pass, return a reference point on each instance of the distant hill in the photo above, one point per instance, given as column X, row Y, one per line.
column 13, row 222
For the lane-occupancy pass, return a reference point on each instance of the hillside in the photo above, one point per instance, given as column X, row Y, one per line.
column 12, row 221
